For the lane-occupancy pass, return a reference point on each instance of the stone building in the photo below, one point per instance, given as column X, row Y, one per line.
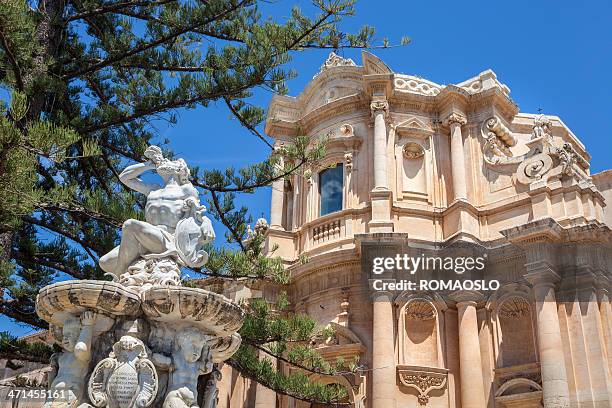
column 412, row 161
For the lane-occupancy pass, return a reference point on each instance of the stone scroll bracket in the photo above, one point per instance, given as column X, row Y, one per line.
column 422, row 379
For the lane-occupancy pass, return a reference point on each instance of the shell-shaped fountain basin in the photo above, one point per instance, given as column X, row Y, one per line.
column 56, row 302
column 211, row 312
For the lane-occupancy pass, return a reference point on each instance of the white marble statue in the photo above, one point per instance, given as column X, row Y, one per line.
column 73, row 362
column 174, row 227
column 191, row 357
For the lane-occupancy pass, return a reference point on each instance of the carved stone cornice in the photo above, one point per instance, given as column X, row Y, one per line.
column 455, row 117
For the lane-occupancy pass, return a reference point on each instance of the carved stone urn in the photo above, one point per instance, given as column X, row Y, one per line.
column 143, row 339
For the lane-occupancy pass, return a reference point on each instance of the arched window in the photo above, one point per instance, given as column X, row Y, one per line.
column 330, row 189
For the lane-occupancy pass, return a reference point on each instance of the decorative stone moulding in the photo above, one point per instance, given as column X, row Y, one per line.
column 515, row 307
column 413, row 150
column 327, row 231
column 534, row 168
column 541, row 127
column 423, row 379
column 406, row 83
column 348, row 161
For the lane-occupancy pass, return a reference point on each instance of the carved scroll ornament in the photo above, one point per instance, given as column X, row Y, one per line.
column 542, row 157
column 499, row 139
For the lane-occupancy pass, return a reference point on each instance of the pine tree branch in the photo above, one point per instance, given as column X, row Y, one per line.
column 30, row 318
column 63, row 232
column 169, row 68
column 285, row 360
column 163, row 108
column 245, row 123
column 237, row 237
column 244, row 372
column 207, row 33
column 12, row 61
column 79, row 210
column 162, row 40
column 115, row 8
column 12, row 348
column 33, row 261
column 263, row 183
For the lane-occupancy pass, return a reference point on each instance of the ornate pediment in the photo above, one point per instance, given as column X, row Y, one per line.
column 414, row 127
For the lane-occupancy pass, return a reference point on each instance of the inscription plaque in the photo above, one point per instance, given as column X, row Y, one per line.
column 126, row 378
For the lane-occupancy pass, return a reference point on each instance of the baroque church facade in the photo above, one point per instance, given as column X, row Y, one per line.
column 409, row 161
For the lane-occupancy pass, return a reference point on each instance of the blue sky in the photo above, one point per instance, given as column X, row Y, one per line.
column 554, row 55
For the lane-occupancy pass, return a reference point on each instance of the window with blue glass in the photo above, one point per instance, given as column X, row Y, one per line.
column 330, row 189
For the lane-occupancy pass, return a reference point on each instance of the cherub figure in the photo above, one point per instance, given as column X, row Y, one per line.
column 541, row 127
column 73, row 362
column 190, row 359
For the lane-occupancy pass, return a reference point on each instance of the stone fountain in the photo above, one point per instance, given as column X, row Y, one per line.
column 143, row 339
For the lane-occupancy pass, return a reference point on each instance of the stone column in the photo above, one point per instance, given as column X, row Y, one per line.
column 470, row 363
column 552, row 361
column 454, row 122
column 605, row 309
column 380, row 109
column 265, row 397
column 381, row 195
column 297, row 206
column 383, row 352
column 278, row 198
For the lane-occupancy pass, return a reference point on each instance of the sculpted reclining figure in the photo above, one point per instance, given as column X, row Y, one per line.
column 175, row 226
